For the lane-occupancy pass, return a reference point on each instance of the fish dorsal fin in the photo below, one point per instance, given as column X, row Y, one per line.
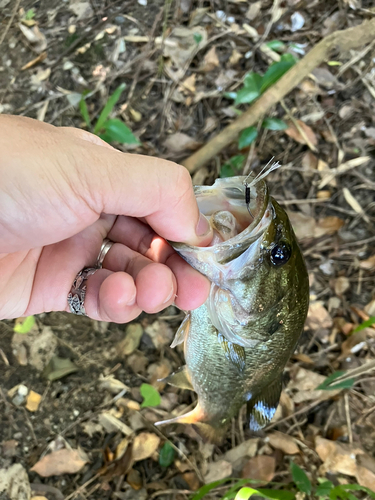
column 182, row 331
column 262, row 408
column 234, row 352
column 179, row 378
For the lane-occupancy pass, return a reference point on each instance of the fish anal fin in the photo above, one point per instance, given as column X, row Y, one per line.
column 179, row 378
column 234, row 352
column 207, row 432
column 182, row 331
column 192, row 417
column 262, row 407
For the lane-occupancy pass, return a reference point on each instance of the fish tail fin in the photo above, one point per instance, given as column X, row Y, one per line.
column 195, row 417
column 262, row 408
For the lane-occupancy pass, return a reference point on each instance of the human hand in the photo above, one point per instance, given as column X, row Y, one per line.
column 62, row 191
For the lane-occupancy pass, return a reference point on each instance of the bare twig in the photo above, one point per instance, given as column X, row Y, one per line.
column 17, row 4
column 344, row 40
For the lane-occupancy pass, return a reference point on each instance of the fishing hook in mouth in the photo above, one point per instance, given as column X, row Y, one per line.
column 262, row 174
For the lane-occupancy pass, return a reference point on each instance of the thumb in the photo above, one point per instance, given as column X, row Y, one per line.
column 140, row 186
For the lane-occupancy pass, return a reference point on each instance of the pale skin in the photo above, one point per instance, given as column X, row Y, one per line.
column 62, row 191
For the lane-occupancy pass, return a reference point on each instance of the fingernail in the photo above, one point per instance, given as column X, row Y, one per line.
column 203, row 226
column 172, row 294
column 132, row 301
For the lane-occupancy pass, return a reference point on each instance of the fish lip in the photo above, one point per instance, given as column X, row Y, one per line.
column 237, row 244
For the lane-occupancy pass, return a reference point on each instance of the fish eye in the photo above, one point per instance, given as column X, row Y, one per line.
column 280, row 254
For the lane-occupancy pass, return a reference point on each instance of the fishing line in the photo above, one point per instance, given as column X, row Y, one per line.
column 262, row 174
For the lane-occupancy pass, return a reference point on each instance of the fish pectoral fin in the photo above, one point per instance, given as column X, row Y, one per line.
column 182, row 331
column 234, row 352
column 262, row 408
column 179, row 378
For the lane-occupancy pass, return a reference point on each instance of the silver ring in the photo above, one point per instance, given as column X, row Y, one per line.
column 104, row 249
column 76, row 296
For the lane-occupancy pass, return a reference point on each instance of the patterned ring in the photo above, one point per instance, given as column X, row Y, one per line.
column 76, row 296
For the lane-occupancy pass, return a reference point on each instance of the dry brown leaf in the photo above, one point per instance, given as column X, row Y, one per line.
column 145, row 445
column 246, row 449
column 305, row 383
column 336, row 457
column 328, row 225
column 235, row 57
column 61, row 462
column 261, row 467
column 158, row 371
column 368, row 264
column 294, row 133
column 39, row 498
column 130, row 343
column 365, row 477
column 160, row 333
column 283, row 442
column 134, row 478
column 303, row 225
column 188, row 85
column 218, row 470
column 111, row 423
column 192, row 480
column 111, row 384
column 182, row 44
column 318, row 316
column 181, row 142
column 341, row 285
column 309, row 161
column 35, row 37
column 33, row 401
column 210, row 61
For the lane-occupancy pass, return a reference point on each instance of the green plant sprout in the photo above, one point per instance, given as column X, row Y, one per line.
column 254, row 86
column 109, row 129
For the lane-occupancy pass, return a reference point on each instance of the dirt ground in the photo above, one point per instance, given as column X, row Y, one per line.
column 52, row 53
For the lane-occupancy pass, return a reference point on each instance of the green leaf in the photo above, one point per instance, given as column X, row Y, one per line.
column 277, row 70
column 232, row 166
column 58, row 368
column 251, row 89
column 326, row 384
column 150, row 395
column 230, row 95
column 30, row 14
column 247, row 136
column 197, row 38
column 116, row 130
column 300, row 478
column 335, row 493
column 166, row 455
column 253, row 81
column 324, row 488
column 247, row 492
column 110, row 104
column 208, row 487
column 366, row 324
column 246, row 96
column 25, row 326
column 85, row 112
column 277, row 45
column 274, row 124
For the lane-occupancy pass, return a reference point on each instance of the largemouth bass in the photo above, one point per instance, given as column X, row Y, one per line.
column 238, row 342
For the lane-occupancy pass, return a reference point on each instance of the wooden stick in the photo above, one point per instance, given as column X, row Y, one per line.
column 344, row 40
